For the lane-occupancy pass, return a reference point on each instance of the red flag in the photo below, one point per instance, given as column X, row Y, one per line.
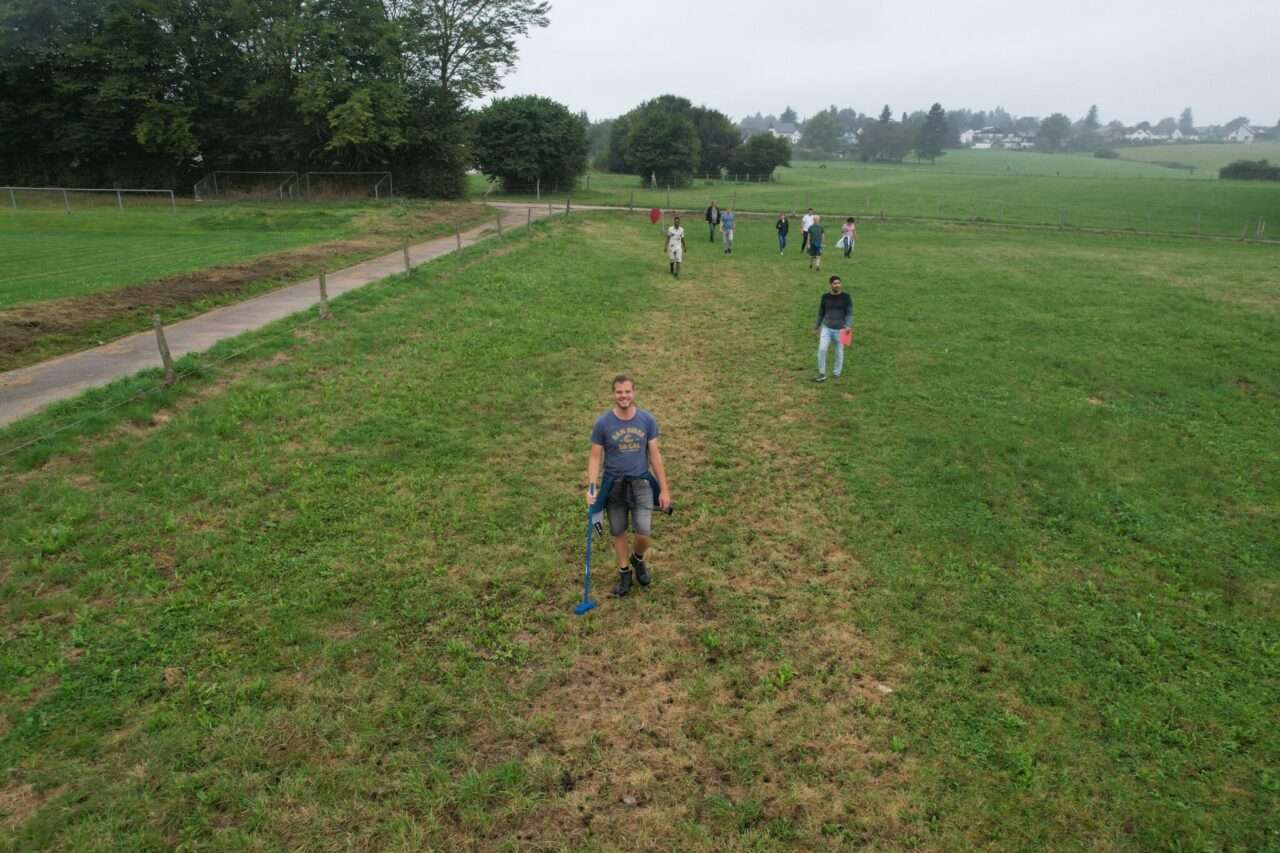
column 655, row 215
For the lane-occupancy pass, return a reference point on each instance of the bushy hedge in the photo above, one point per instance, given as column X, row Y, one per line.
column 1107, row 154
column 1250, row 170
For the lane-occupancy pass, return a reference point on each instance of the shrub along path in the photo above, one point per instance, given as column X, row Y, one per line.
column 28, row 389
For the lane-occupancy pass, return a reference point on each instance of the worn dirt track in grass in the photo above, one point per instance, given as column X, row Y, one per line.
column 22, row 328
column 651, row 713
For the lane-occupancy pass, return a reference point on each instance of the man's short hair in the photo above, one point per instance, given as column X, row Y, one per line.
column 622, row 377
column 835, row 278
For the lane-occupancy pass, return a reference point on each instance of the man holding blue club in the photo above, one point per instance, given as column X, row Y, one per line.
column 624, row 441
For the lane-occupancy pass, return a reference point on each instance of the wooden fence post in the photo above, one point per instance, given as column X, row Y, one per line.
column 528, row 222
column 405, row 250
column 324, row 298
column 170, row 376
column 458, row 233
column 499, row 220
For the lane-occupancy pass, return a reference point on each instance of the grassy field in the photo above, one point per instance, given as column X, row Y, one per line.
column 996, row 186
column 1207, row 159
column 1008, row 584
column 70, row 282
column 47, row 254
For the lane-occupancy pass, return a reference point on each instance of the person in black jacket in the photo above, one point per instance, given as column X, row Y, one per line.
column 835, row 317
column 713, row 220
column 782, row 226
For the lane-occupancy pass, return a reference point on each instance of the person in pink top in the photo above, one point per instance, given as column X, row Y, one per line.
column 848, row 234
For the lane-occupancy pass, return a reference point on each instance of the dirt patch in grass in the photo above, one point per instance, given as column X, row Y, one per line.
column 23, row 329
column 19, row 802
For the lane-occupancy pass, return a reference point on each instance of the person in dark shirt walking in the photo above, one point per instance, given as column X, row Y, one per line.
column 815, row 244
column 835, row 319
column 713, row 220
column 782, row 226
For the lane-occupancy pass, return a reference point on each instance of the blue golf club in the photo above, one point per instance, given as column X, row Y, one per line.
column 588, row 603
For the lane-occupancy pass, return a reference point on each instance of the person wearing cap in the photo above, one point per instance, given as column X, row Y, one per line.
column 835, row 318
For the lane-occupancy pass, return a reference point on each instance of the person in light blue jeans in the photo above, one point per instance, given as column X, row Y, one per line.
column 727, row 221
column 835, row 315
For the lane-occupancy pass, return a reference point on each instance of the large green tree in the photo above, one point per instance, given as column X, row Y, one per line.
column 663, row 146
column 522, row 140
column 717, row 139
column 154, row 92
column 822, row 132
column 657, row 138
column 1054, row 132
column 932, row 137
column 760, row 155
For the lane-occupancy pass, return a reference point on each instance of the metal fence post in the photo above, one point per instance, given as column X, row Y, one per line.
column 120, row 200
column 13, row 199
column 66, row 203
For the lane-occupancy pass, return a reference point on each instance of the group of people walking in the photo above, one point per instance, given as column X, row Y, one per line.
column 626, row 477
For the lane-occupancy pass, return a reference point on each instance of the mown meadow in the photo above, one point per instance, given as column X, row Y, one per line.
column 1014, row 187
column 1009, row 583
column 48, row 254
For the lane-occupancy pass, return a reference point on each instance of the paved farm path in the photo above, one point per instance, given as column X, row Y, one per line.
column 28, row 389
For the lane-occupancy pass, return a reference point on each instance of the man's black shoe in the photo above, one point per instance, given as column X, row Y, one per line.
column 641, row 570
column 623, row 586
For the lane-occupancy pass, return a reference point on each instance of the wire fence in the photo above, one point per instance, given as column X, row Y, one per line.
column 95, row 198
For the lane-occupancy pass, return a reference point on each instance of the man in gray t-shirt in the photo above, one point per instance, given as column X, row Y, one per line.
column 625, row 441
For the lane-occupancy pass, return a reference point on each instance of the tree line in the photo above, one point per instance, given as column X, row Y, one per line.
column 158, row 92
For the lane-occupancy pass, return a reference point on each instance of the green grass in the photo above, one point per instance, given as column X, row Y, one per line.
column 1207, row 158
column 996, row 186
column 48, row 254
column 321, row 599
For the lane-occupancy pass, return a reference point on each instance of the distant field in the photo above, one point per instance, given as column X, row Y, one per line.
column 47, row 254
column 1014, row 187
column 1008, row 584
column 1207, row 159
column 68, row 282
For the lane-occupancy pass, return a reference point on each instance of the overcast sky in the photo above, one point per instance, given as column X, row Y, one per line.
column 1136, row 60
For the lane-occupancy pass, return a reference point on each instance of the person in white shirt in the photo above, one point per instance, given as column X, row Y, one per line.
column 805, row 222
column 675, row 246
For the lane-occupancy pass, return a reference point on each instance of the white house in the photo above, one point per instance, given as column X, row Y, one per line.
column 966, row 137
column 1243, row 133
column 787, row 131
column 1189, row 136
column 1139, row 135
column 990, row 137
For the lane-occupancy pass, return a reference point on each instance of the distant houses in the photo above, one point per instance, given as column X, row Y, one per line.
column 990, row 137
column 1117, row 134
column 786, row 130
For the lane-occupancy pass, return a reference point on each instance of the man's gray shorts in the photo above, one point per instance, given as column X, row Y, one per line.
column 636, row 497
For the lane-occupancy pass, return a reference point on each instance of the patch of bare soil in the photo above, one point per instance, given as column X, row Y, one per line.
column 18, row 802
column 22, row 327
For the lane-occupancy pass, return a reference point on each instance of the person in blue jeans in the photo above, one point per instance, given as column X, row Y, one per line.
column 835, row 315
column 782, row 226
column 727, row 220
